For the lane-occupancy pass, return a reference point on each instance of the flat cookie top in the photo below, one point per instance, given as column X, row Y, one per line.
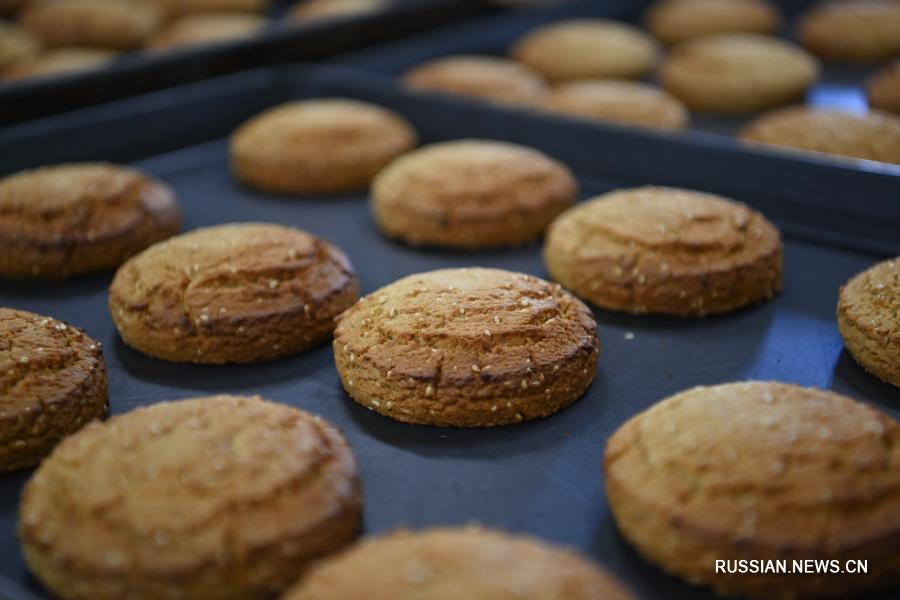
column 231, row 274
column 322, row 131
column 42, row 361
column 471, row 562
column 87, row 202
column 871, row 301
column 485, row 76
column 462, row 327
column 669, row 229
column 874, row 135
column 678, row 20
column 621, row 101
column 470, row 180
column 174, row 487
column 766, row 464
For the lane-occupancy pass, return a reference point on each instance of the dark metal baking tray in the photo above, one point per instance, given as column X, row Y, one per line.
column 141, row 72
column 542, row 477
column 840, row 87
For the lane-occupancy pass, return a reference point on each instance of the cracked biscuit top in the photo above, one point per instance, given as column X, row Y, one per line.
column 232, row 293
column 467, row 347
column 665, row 250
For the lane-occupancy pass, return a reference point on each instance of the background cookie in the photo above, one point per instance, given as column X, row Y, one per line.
column 759, row 471
column 624, row 102
column 80, row 218
column 665, row 251
column 174, row 8
column 673, row 21
column 115, row 24
column 236, row 293
column 855, row 31
column 16, row 45
column 470, row 562
column 466, row 348
column 52, row 382
column 868, row 320
column 738, row 72
column 208, row 28
column 471, row 194
column 60, row 61
column 220, row 497
column 586, row 49
column 318, row 146
column 884, row 89
column 872, row 136
column 310, row 10
column 487, row 77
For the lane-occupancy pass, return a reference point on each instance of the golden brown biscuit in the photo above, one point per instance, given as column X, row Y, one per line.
column 61, row 61
column 318, row 146
column 587, row 49
column 665, row 251
column 16, row 46
column 457, row 564
column 315, row 10
column 236, row 293
column 487, row 77
column 738, row 72
column 79, row 218
column 208, row 28
column 760, row 471
column 467, row 348
column 222, row 497
column 471, row 194
column 618, row 101
column 884, row 89
column 674, row 21
column 869, row 321
column 52, row 382
column 871, row 136
column 114, row 24
column 176, row 8
column 853, row 31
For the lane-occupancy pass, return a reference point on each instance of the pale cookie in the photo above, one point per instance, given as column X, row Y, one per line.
column 58, row 62
column 674, row 21
column 487, row 77
column 853, row 31
column 618, row 101
column 208, row 28
column 113, row 24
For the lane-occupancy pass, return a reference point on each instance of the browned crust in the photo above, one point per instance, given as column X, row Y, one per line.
column 884, row 89
column 272, row 513
column 665, row 251
column 868, row 316
column 115, row 24
column 318, row 146
column 760, row 471
column 675, row 21
column 467, row 348
column 858, row 31
column 69, row 220
column 52, row 382
column 471, row 194
column 487, row 564
column 618, row 101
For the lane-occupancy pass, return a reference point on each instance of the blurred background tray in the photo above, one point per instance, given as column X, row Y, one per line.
column 541, row 477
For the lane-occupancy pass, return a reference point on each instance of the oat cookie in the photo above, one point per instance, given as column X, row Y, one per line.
column 16, row 46
column 314, row 10
column 208, row 28
column 113, row 24
column 884, row 89
column 674, row 21
column 57, row 62
column 853, row 31
column 176, row 8
column 487, row 77
column 618, row 101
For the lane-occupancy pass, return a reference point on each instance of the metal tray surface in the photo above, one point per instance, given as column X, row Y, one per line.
column 840, row 87
column 542, row 478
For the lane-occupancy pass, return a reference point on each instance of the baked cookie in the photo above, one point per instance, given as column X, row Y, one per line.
column 238, row 293
column 72, row 219
column 471, row 194
column 219, row 497
column 884, row 89
column 857, row 31
column 760, row 471
column 587, row 49
column 486, row 77
column 176, row 8
column 314, row 10
column 463, row 562
column 16, row 46
column 665, row 251
column 871, row 136
column 61, row 61
column 52, row 382
column 868, row 320
column 113, row 24
column 318, row 146
column 738, row 72
column 675, row 21
column 618, row 101
column 467, row 348
column 208, row 28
